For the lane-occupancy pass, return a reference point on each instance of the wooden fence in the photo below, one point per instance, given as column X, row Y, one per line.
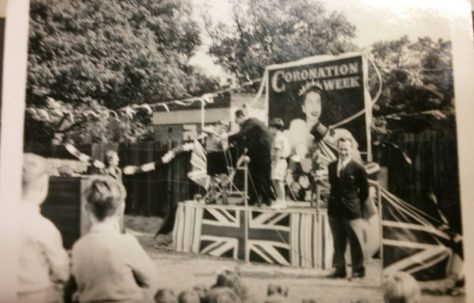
column 433, row 169
column 148, row 194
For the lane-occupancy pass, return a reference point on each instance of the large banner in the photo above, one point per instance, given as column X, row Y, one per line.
column 342, row 82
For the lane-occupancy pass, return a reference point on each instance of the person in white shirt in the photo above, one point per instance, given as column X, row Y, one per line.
column 43, row 263
column 280, row 153
column 109, row 266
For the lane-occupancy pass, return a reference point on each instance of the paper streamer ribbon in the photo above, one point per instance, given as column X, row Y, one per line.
column 150, row 166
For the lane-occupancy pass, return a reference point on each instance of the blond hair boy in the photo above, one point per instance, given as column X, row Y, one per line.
column 43, row 262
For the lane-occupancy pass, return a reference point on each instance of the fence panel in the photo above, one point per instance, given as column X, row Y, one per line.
column 434, row 169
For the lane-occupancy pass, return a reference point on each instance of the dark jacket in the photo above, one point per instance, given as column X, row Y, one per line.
column 348, row 192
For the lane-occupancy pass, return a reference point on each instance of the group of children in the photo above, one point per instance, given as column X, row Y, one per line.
column 398, row 288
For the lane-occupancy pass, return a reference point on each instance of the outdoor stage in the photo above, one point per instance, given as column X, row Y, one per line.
column 295, row 236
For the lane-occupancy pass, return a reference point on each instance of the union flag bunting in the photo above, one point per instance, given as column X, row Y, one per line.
column 414, row 242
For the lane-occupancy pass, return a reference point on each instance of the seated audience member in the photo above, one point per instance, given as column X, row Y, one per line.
column 201, row 291
column 231, row 279
column 43, row 263
column 401, row 287
column 277, row 289
column 107, row 265
column 189, row 296
column 276, row 293
column 165, row 295
column 222, row 295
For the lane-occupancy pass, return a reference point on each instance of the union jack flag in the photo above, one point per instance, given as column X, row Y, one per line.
column 223, row 234
column 414, row 242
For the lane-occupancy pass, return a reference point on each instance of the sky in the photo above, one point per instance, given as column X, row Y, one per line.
column 375, row 20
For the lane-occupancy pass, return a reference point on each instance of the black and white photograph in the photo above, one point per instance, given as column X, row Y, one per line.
column 239, row 151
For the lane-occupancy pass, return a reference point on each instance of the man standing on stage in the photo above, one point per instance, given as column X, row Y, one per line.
column 257, row 139
column 349, row 190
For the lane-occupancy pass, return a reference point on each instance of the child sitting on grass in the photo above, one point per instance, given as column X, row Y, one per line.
column 401, row 287
column 43, row 262
column 277, row 293
column 165, row 295
column 231, row 279
column 107, row 265
column 189, row 296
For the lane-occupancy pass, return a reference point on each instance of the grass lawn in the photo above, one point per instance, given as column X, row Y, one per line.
column 180, row 271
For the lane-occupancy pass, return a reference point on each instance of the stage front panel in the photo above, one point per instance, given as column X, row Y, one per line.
column 292, row 237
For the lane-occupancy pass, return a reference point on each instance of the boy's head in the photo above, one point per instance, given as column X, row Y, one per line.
column 401, row 287
column 35, row 178
column 230, row 279
column 201, row 291
column 165, row 295
column 105, row 197
column 277, row 289
column 189, row 296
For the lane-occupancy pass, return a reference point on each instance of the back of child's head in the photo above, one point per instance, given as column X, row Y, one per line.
column 230, row 279
column 165, row 295
column 401, row 287
column 189, row 296
column 222, row 295
column 201, row 290
column 35, row 178
column 105, row 197
column 279, row 289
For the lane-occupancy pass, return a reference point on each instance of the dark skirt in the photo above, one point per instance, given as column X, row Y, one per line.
column 216, row 163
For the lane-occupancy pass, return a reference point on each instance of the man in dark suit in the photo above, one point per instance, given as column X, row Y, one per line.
column 349, row 190
column 257, row 139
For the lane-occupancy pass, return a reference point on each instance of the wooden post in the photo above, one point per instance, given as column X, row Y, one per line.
column 318, row 199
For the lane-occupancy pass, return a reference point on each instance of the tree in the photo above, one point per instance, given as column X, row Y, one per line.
column 418, row 89
column 110, row 54
column 264, row 32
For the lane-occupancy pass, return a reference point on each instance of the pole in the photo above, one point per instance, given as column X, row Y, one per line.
column 246, row 214
column 379, row 200
column 202, row 114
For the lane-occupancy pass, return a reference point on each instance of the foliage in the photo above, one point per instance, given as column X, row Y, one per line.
column 418, row 89
column 110, row 54
column 89, row 123
column 264, row 32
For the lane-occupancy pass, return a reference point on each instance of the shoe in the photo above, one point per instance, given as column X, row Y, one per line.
column 163, row 240
column 338, row 274
column 358, row 274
